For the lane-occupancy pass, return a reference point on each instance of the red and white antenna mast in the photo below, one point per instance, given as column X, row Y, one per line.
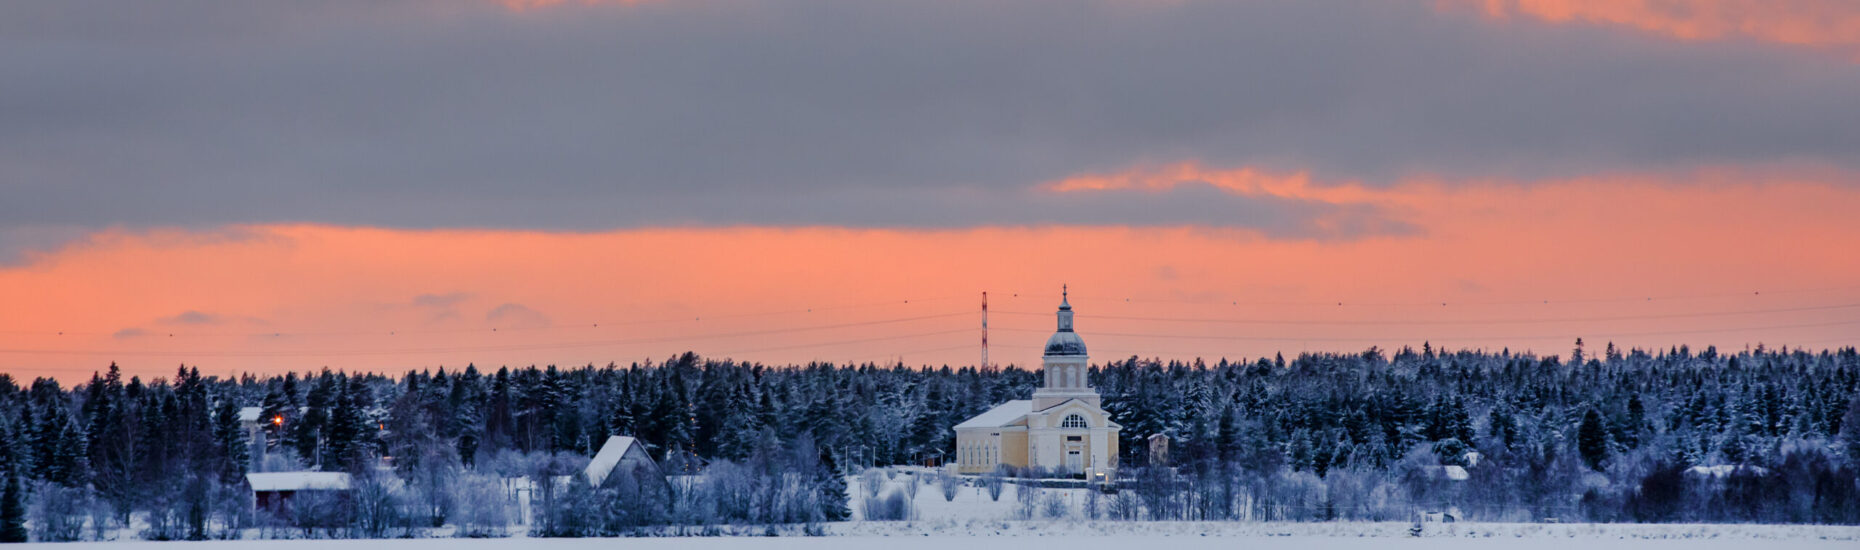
column 984, row 330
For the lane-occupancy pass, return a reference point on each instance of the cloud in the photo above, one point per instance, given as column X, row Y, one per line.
column 801, row 113
column 191, row 317
column 512, row 315
column 441, row 301
column 1831, row 24
column 129, row 333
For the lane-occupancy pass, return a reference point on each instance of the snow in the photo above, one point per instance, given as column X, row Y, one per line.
column 250, row 414
column 1125, row 535
column 1001, row 415
column 609, row 456
column 1724, row 470
column 298, row 481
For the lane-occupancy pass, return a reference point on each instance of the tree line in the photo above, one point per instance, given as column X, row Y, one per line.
column 1610, row 436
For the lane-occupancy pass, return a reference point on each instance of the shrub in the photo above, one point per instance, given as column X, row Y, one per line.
column 483, row 507
column 950, row 483
column 872, row 482
column 58, row 512
column 893, row 507
column 1054, row 506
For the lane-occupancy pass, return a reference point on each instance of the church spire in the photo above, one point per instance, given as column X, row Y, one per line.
column 1065, row 310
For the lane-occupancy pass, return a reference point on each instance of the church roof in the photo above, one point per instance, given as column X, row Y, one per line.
column 1065, row 342
column 1002, row 415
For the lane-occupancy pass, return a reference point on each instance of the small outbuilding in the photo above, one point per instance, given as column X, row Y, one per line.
column 272, row 490
column 625, row 456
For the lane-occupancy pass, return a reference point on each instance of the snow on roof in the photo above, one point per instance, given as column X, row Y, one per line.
column 609, row 456
column 299, row 481
column 1449, row 473
column 1724, row 470
column 250, row 414
column 1001, row 415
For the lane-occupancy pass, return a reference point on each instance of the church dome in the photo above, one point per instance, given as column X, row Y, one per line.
column 1065, row 342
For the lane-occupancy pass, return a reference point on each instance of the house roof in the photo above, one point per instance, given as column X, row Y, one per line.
column 609, row 456
column 1002, row 415
column 299, row 481
column 250, row 414
column 1724, row 470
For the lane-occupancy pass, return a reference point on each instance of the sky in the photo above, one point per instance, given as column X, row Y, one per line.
column 400, row 184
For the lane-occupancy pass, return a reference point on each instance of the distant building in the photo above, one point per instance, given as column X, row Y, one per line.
column 1446, row 473
column 254, row 436
column 621, row 455
column 1063, row 428
column 273, row 490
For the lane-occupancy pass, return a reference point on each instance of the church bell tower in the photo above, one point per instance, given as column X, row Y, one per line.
column 1064, row 363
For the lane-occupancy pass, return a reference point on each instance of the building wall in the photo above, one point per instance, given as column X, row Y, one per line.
column 1014, row 448
column 1006, row 446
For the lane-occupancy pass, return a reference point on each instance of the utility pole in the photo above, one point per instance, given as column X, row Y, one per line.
column 984, row 365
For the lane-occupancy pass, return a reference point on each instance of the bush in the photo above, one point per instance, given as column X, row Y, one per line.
column 872, row 482
column 893, row 507
column 1027, row 501
column 992, row 483
column 318, row 514
column 58, row 512
column 1054, row 506
column 483, row 508
column 910, row 488
column 950, row 483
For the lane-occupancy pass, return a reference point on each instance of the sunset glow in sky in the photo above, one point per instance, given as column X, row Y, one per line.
column 391, row 185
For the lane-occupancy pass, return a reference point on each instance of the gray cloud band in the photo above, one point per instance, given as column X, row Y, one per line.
column 930, row 114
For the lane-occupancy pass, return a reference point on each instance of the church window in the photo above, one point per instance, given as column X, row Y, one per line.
column 1073, row 421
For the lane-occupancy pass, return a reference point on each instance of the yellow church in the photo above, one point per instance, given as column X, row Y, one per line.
column 1063, row 429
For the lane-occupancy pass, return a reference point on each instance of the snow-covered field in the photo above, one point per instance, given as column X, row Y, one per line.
column 973, row 514
column 973, row 521
column 1594, row 540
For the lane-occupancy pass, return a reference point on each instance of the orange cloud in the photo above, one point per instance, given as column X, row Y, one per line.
column 1820, row 23
column 1246, row 181
column 374, row 298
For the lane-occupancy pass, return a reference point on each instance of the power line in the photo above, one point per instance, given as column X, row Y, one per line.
column 557, row 326
column 847, row 342
column 1261, row 321
column 1436, row 303
column 1450, row 338
column 462, row 349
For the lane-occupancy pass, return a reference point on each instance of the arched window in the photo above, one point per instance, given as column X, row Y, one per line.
column 1073, row 421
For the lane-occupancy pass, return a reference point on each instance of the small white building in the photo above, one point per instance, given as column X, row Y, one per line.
column 621, row 455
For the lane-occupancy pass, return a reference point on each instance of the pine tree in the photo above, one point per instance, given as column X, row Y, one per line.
column 229, row 436
column 832, row 488
column 1592, row 440
column 13, row 500
column 12, row 511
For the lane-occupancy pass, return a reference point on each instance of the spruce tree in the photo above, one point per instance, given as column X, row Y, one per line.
column 12, row 511
column 1592, row 440
column 12, row 501
column 233, row 449
column 832, row 488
